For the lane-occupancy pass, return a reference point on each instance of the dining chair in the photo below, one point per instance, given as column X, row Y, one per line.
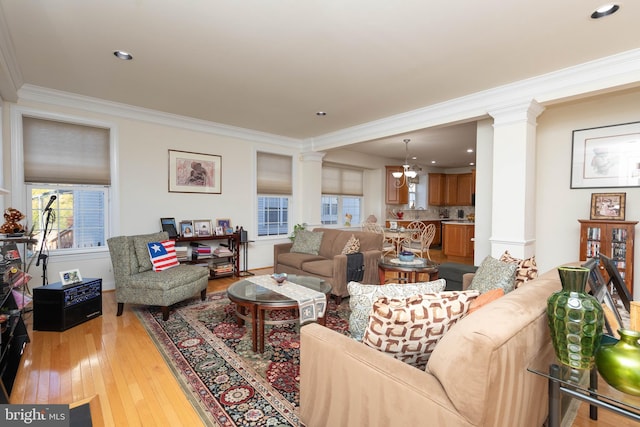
column 388, row 244
column 419, row 239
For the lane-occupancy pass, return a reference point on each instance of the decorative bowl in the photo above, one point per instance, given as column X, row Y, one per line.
column 279, row 277
column 406, row 256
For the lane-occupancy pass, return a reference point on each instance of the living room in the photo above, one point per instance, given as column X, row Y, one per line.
column 542, row 219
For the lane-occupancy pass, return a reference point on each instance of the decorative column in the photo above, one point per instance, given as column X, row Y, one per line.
column 513, row 187
column 308, row 202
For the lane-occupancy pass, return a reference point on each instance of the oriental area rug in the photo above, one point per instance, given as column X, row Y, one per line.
column 212, row 358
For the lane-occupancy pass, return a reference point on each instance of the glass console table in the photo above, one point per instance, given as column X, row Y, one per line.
column 566, row 383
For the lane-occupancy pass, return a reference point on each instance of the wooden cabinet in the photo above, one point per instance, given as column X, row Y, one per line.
column 436, row 189
column 451, row 189
column 614, row 239
column 396, row 195
column 457, row 241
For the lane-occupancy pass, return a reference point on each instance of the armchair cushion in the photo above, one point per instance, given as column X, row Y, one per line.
column 363, row 296
column 307, row 242
column 141, row 250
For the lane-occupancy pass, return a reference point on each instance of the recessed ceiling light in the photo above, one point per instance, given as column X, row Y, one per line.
column 321, row 113
column 606, row 10
column 471, row 164
column 121, row 54
column 469, row 150
column 433, row 162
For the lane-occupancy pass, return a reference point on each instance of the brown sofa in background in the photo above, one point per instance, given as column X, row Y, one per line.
column 476, row 376
column 330, row 264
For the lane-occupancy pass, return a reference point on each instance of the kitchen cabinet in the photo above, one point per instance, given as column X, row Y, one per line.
column 457, row 241
column 613, row 239
column 451, row 189
column 436, row 189
column 396, row 195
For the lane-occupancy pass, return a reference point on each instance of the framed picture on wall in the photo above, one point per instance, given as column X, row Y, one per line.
column 194, row 172
column 607, row 156
column 608, row 206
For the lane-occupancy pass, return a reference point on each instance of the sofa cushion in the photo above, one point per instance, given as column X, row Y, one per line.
column 142, row 252
column 163, row 255
column 295, row 260
column 320, row 267
column 363, row 296
column 485, row 299
column 492, row 274
column 527, row 268
column 352, row 246
column 307, row 242
column 409, row 328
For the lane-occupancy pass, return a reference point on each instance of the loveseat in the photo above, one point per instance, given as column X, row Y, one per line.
column 329, row 263
column 476, row 376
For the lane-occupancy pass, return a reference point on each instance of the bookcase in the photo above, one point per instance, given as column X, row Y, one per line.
column 613, row 239
column 220, row 265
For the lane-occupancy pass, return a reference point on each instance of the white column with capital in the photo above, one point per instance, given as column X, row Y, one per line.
column 310, row 188
column 514, row 194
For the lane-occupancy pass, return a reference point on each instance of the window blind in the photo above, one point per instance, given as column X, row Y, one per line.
column 341, row 181
column 65, row 153
column 274, row 174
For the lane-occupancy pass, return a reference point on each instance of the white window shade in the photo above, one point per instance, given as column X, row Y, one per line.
column 274, row 174
column 65, row 153
column 341, row 181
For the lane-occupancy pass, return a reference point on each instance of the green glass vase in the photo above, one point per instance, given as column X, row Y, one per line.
column 575, row 319
column 619, row 363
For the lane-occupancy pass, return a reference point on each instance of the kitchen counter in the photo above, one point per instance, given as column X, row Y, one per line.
column 458, row 222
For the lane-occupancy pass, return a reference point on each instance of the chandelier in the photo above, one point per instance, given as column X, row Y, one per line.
column 409, row 173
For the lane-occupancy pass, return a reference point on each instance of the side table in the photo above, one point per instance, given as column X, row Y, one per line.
column 408, row 272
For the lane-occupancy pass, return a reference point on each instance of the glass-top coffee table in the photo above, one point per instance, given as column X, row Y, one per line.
column 253, row 301
column 408, row 271
column 566, row 383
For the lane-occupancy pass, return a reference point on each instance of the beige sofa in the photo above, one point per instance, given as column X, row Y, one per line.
column 330, row 264
column 476, row 376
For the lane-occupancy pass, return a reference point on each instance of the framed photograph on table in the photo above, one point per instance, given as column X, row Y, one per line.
column 169, row 225
column 186, row 228
column 606, row 157
column 194, row 172
column 598, row 288
column 202, row 228
column 223, row 222
column 70, row 277
column 608, row 206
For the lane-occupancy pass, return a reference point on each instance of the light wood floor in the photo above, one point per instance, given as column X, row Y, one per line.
column 114, row 358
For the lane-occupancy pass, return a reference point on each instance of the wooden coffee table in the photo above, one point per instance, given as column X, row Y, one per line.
column 253, row 301
column 408, row 272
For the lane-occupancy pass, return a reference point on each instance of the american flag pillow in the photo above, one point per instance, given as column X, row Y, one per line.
column 163, row 254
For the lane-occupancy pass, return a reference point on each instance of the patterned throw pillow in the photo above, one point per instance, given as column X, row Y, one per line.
column 163, row 255
column 527, row 268
column 409, row 328
column 352, row 246
column 307, row 242
column 492, row 274
column 362, row 297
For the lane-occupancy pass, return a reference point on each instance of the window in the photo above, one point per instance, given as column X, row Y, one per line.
column 67, row 173
column 341, row 194
column 274, row 184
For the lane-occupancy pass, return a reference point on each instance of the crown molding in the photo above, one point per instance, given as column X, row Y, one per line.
column 585, row 79
column 66, row 99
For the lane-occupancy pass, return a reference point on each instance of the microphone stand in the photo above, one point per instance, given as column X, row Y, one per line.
column 42, row 256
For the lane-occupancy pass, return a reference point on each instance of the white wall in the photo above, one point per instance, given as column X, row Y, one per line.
column 558, row 206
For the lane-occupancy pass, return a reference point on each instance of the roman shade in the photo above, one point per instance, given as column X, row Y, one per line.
column 338, row 180
column 274, row 174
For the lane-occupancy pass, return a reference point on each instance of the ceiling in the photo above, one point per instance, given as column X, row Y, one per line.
column 269, row 66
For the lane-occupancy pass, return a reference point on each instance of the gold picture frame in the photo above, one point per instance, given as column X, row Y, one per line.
column 194, row 172
column 608, row 206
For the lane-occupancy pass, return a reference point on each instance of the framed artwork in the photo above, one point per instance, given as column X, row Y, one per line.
column 186, row 228
column 598, row 286
column 202, row 228
column 169, row 225
column 219, row 230
column 194, row 172
column 607, row 156
column 224, row 223
column 70, row 277
column 608, row 206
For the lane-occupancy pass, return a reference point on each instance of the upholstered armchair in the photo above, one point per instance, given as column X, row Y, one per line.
column 137, row 283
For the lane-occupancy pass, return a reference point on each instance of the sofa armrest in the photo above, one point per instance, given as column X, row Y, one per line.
column 345, row 383
column 466, row 280
column 371, row 259
column 280, row 248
